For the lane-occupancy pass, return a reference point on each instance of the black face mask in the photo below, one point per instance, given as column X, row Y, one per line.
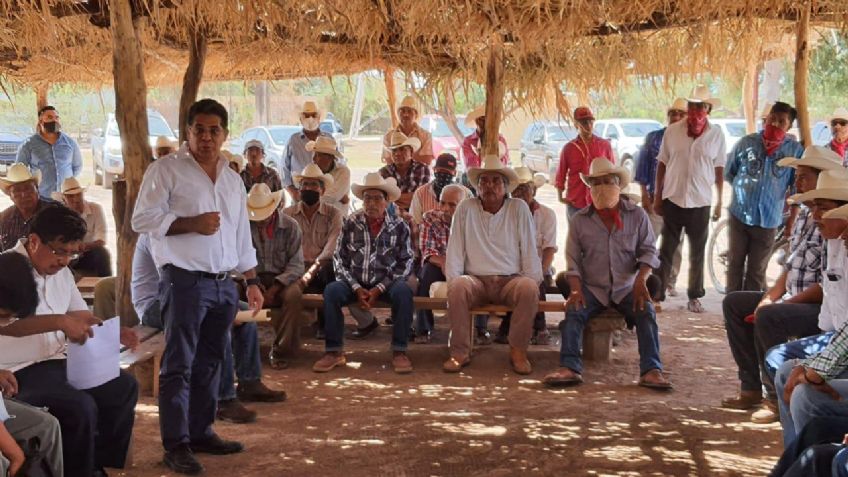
column 441, row 179
column 52, row 126
column 310, row 197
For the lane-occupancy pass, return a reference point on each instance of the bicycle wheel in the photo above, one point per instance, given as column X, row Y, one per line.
column 717, row 255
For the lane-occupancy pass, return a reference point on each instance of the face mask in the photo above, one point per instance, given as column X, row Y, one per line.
column 52, row 126
column 441, row 180
column 605, row 196
column 310, row 124
column 772, row 138
column 310, row 197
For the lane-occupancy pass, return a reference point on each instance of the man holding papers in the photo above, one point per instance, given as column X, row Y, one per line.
column 97, row 422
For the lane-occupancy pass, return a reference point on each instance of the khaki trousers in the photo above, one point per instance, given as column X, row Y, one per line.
column 468, row 292
column 287, row 320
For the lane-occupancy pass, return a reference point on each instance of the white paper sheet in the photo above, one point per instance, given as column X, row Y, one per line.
column 98, row 361
column 246, row 316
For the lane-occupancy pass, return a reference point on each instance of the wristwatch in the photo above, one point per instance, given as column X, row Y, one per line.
column 253, row 281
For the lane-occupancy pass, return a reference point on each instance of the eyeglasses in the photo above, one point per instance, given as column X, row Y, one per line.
column 200, row 131
column 839, row 122
column 63, row 253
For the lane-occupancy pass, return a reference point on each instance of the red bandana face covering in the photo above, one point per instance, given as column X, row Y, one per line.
column 772, row 138
column 696, row 122
column 838, row 147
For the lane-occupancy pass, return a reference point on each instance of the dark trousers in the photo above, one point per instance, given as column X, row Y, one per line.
column 748, row 256
column 653, row 283
column 774, row 325
column 804, row 456
column 695, row 223
column 96, row 423
column 96, row 261
column 339, row 294
column 197, row 313
column 324, row 277
column 428, row 275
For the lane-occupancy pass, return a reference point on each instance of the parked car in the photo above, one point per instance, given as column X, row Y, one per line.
column 443, row 138
column 733, row 129
column 626, row 137
column 542, row 143
column 274, row 138
column 107, row 156
column 332, row 127
column 10, row 141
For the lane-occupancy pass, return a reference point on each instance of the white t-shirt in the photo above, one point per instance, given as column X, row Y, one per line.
column 546, row 229
column 690, row 164
column 835, row 287
column 4, row 414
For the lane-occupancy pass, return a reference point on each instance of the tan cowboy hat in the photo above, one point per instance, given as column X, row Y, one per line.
column 601, row 166
column 408, row 102
column 839, row 113
column 236, row 158
column 312, row 171
column 325, row 145
column 832, row 185
column 261, row 202
column 399, row 139
column 70, row 186
column 492, row 163
column 837, row 213
column 526, row 176
column 817, row 157
column 679, row 104
column 373, row 180
column 701, row 94
column 164, row 141
column 310, row 107
column 766, row 110
column 17, row 174
column 471, row 118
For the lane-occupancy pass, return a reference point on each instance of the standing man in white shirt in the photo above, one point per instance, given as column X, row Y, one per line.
column 195, row 209
column 691, row 160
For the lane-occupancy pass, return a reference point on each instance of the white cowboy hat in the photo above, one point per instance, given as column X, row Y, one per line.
column 399, row 139
column 312, row 171
column 310, row 107
column 679, row 104
column 526, row 176
column 325, row 145
column 471, row 118
column 164, row 141
column 839, row 113
column 817, row 157
column 492, row 163
column 373, row 180
column 832, row 185
column 254, row 143
column 837, row 213
column 261, row 202
column 701, row 94
column 70, row 186
column 408, row 102
column 17, row 174
column 601, row 166
column 766, row 110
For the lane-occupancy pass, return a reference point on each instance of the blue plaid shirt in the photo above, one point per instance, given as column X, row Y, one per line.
column 363, row 261
column 806, row 248
column 759, row 185
column 646, row 167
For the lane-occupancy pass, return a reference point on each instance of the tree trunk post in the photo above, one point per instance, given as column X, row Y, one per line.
column 802, row 71
column 41, row 95
column 749, row 92
column 494, row 98
column 391, row 94
column 192, row 78
column 131, row 115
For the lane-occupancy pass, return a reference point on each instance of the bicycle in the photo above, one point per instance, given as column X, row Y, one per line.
column 718, row 249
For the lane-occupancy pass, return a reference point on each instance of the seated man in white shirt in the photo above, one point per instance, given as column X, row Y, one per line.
column 492, row 258
column 94, row 259
column 96, row 423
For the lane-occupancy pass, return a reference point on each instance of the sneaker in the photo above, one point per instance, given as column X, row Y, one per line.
column 216, row 446
column 541, row 338
column 232, row 410
column 182, row 461
column 767, row 413
column 482, row 337
column 256, row 391
column 329, row 361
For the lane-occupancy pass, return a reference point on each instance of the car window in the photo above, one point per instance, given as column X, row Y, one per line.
column 156, row 126
column 442, row 130
column 528, row 133
column 538, row 134
column 250, row 134
column 561, row 133
column 639, row 129
column 327, row 127
column 735, row 130
column 281, row 135
column 598, row 130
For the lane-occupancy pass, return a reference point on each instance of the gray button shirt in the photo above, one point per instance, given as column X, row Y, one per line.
column 607, row 263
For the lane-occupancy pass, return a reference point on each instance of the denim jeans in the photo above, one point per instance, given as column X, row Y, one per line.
column 802, row 458
column 798, row 349
column 241, row 358
column 647, row 332
column 429, row 274
column 339, row 294
column 807, row 402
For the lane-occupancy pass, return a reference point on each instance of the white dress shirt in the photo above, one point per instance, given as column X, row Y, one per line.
column 95, row 222
column 177, row 187
column 690, row 164
column 545, row 221
column 145, row 276
column 835, row 287
column 503, row 243
column 57, row 295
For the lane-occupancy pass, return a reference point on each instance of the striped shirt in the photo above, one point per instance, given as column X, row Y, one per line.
column 363, row 261
column 434, row 235
column 804, row 265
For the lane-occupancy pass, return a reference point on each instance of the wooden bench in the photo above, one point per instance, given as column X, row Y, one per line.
column 145, row 361
column 597, row 335
column 86, row 287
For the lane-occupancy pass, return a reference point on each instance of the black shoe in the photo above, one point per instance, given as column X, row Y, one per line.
column 361, row 333
column 501, row 338
column 182, row 461
column 216, row 446
column 482, row 337
column 232, row 410
column 101, row 472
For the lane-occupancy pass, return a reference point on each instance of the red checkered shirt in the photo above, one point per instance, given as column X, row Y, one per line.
column 434, row 232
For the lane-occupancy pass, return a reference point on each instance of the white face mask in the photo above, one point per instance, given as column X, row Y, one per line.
column 310, row 124
column 605, row 196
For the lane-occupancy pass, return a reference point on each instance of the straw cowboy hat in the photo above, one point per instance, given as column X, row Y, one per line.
column 837, row 213
column 839, row 113
column 408, row 102
column 471, row 118
column 261, row 202
column 70, row 186
column 526, row 176
column 832, row 185
column 310, row 107
column 679, row 104
column 254, row 143
column 373, row 180
column 324, row 145
column 163, row 141
column 601, row 166
column 399, row 139
column 817, row 157
column 312, row 171
column 701, row 94
column 17, row 174
column 492, row 163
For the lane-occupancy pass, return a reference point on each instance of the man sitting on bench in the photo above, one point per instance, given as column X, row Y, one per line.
column 373, row 260
column 492, row 258
column 609, row 253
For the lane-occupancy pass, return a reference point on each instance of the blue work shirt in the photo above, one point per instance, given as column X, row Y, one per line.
column 56, row 161
column 646, row 166
column 759, row 185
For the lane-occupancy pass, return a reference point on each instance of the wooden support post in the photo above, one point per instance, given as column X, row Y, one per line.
column 193, row 76
column 802, row 71
column 41, row 95
column 749, row 92
column 494, row 98
column 131, row 115
column 391, row 94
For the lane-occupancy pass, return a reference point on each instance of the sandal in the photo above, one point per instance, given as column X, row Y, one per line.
column 664, row 385
column 559, row 379
column 695, row 306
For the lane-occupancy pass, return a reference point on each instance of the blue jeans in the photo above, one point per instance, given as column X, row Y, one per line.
column 241, row 359
column 645, row 321
column 798, row 349
column 807, row 403
column 339, row 294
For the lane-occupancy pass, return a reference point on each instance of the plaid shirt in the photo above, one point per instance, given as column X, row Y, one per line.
column 268, row 176
column 280, row 254
column 417, row 176
column 434, row 235
column 13, row 227
column 804, row 265
column 363, row 261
